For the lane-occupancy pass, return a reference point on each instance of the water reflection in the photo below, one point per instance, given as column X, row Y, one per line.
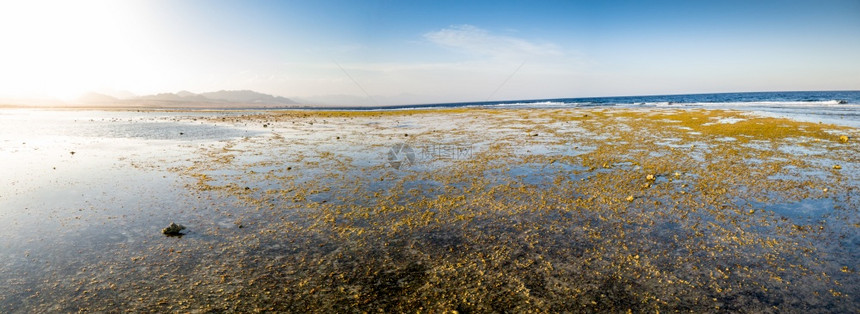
column 302, row 217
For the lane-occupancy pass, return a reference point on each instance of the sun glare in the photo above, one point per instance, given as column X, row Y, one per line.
column 61, row 49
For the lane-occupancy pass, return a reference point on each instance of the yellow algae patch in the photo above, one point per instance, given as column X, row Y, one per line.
column 371, row 113
column 744, row 127
column 559, row 222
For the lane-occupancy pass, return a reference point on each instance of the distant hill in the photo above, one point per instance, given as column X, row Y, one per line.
column 248, row 97
column 185, row 93
column 93, row 97
column 182, row 96
column 186, row 99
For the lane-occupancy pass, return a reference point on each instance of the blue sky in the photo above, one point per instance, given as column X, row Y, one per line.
column 427, row 51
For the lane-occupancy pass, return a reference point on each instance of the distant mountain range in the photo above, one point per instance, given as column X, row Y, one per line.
column 219, row 99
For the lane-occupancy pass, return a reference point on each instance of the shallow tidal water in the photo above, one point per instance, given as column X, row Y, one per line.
column 466, row 210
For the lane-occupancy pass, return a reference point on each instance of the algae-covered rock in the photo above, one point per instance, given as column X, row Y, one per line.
column 173, row 229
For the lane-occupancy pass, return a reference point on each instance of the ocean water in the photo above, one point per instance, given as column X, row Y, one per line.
column 836, row 107
column 272, row 203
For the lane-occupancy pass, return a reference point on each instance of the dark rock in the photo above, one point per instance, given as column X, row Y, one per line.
column 173, row 229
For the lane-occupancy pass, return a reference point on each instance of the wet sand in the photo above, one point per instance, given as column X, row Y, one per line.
column 467, row 210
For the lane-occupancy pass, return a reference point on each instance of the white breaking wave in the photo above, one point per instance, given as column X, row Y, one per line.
column 777, row 104
column 786, row 104
column 537, row 104
column 662, row 104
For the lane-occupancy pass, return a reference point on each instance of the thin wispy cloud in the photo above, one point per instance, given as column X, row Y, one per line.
column 460, row 50
column 476, row 41
column 484, row 63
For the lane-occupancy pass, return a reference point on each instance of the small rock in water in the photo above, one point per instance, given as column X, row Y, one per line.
column 173, row 229
column 837, row 167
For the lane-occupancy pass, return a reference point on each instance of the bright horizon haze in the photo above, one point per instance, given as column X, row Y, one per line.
column 405, row 52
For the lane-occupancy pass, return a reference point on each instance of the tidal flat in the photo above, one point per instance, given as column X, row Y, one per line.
column 443, row 210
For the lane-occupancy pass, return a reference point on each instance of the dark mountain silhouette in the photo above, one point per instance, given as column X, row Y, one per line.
column 219, row 99
column 93, row 97
column 247, row 97
column 182, row 96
